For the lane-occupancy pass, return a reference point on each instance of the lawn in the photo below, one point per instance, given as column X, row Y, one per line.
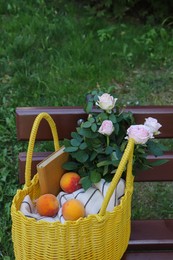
column 52, row 54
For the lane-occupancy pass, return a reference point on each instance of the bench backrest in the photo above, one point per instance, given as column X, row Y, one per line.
column 66, row 120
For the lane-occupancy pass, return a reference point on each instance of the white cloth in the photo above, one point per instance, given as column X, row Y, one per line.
column 92, row 200
column 117, row 194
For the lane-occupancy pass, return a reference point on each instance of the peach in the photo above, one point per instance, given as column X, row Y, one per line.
column 73, row 209
column 47, row 205
column 69, row 182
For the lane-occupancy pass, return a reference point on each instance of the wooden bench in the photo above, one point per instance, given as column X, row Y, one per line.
column 150, row 239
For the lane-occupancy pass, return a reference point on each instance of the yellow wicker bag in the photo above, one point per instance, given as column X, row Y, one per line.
column 99, row 236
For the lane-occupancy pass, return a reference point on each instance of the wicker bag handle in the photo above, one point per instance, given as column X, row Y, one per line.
column 127, row 159
column 32, row 139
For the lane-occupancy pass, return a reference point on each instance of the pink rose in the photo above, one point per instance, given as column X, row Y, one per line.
column 106, row 102
column 153, row 125
column 140, row 133
column 106, row 128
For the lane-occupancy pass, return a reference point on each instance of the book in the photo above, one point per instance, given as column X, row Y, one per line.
column 50, row 171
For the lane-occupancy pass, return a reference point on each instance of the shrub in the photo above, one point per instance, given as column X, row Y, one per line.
column 156, row 10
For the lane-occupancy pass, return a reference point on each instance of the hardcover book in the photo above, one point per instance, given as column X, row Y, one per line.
column 50, row 171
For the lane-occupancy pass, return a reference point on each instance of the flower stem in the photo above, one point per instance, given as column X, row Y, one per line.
column 107, row 139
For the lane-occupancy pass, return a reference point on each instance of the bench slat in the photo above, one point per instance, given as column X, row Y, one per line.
column 158, row 173
column 37, row 157
column 66, row 120
column 168, row 255
column 151, row 235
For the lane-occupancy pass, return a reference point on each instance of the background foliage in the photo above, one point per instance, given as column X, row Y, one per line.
column 53, row 52
column 154, row 11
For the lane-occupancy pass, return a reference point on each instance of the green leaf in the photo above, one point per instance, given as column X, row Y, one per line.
column 86, row 124
column 76, row 136
column 116, row 128
column 155, row 148
column 71, row 149
column 6, row 257
column 66, row 142
column 89, row 107
column 91, row 119
column 96, row 95
column 116, row 162
column 102, row 116
column 94, row 92
column 114, row 156
column 118, row 153
column 70, row 166
column 105, row 171
column 158, row 162
column 83, row 146
column 82, row 172
column 163, row 147
column 94, row 127
column 87, row 133
column 95, row 176
column 93, row 155
column 140, row 149
column 103, row 163
column 75, row 142
column 97, row 142
column 86, row 182
column 81, row 156
column 113, row 118
column 123, row 146
column 108, row 150
column 128, row 116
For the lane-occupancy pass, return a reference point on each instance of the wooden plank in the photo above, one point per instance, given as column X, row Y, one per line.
column 168, row 255
column 37, row 157
column 66, row 119
column 151, row 235
column 157, row 173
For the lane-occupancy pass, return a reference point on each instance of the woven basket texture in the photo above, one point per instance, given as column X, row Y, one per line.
column 96, row 237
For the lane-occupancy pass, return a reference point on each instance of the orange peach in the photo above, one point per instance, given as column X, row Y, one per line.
column 47, row 205
column 70, row 182
column 73, row 209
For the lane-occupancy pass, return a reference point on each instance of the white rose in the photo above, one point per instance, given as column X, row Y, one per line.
column 153, row 125
column 106, row 128
column 106, row 102
column 140, row 133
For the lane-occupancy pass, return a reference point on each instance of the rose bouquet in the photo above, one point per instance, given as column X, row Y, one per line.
column 98, row 144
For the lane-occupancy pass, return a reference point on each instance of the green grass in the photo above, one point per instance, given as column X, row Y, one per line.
column 51, row 55
column 152, row 201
